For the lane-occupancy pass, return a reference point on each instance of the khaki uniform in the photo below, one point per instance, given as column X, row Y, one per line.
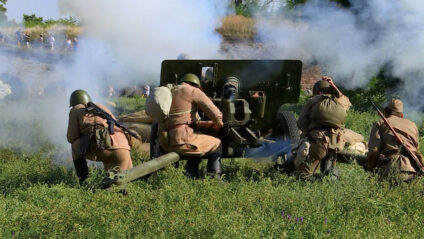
column 384, row 150
column 322, row 139
column 181, row 137
column 81, row 122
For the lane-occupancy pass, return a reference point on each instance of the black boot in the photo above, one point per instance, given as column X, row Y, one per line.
column 192, row 167
column 81, row 169
column 213, row 167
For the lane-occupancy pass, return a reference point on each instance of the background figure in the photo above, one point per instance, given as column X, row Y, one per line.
column 146, row 90
column 51, row 42
column 27, row 38
column 18, row 38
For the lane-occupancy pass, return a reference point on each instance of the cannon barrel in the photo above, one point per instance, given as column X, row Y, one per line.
column 120, row 178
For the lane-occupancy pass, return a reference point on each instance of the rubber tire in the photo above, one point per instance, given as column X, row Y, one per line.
column 155, row 149
column 288, row 124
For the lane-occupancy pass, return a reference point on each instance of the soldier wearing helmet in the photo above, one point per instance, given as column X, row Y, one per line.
column 90, row 139
column 178, row 134
column 322, row 123
column 385, row 153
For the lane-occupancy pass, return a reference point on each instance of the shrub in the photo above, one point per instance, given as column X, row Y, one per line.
column 237, row 28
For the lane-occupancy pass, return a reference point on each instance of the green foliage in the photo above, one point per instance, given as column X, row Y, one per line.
column 32, row 20
column 126, row 105
column 71, row 21
column 3, row 9
column 375, row 92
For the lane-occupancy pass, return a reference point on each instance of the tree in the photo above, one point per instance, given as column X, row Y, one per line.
column 3, row 10
column 32, row 20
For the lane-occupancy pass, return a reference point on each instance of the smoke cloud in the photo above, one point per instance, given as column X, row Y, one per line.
column 123, row 44
column 352, row 45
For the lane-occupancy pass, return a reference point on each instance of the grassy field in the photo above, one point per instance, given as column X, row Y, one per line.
column 42, row 200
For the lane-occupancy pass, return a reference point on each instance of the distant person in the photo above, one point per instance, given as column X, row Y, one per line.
column 146, row 89
column 52, row 41
column 183, row 56
column 41, row 39
column 68, row 46
column 322, row 124
column 385, row 153
column 27, row 38
column 19, row 38
column 111, row 91
column 92, row 139
column 75, row 43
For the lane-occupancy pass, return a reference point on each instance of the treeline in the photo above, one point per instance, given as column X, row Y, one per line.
column 34, row 21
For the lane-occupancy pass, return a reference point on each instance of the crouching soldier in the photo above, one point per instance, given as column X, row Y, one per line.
column 177, row 133
column 322, row 122
column 386, row 154
column 93, row 138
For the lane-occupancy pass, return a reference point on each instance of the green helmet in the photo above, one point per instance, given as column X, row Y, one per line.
column 321, row 85
column 79, row 97
column 191, row 78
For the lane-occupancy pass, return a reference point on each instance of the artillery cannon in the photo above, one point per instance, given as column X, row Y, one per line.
column 248, row 93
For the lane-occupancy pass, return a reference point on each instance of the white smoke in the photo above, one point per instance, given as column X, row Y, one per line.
column 139, row 34
column 352, row 44
column 123, row 43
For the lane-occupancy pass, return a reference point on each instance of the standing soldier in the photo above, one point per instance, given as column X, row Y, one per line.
column 177, row 134
column 322, row 123
column 385, row 152
column 91, row 137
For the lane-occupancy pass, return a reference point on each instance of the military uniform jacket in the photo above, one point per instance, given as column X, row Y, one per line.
column 185, row 101
column 309, row 128
column 83, row 122
column 383, row 142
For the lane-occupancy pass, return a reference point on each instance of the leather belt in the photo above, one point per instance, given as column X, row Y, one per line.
column 176, row 126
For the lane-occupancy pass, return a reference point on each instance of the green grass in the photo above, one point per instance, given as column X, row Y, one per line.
column 42, row 200
column 126, row 105
column 253, row 201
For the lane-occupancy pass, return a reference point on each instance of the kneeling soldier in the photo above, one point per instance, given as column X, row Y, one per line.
column 386, row 152
column 92, row 137
column 187, row 96
column 322, row 123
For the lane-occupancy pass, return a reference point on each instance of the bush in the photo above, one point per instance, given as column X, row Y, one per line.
column 237, row 28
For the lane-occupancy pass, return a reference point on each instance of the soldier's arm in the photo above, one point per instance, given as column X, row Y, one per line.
column 207, row 106
column 304, row 120
column 374, row 147
column 341, row 98
column 73, row 127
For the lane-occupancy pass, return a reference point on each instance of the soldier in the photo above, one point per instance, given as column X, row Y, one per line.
column 322, row 122
column 385, row 152
column 177, row 134
column 90, row 138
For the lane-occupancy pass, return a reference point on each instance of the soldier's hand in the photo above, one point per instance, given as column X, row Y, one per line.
column 329, row 79
column 217, row 127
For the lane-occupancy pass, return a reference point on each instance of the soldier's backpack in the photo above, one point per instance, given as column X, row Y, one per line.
column 158, row 103
column 329, row 112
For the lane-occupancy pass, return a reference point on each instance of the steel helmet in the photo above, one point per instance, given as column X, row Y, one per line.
column 79, row 97
column 183, row 56
column 321, row 85
column 191, row 78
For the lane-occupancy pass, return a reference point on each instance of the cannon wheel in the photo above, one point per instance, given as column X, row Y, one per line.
column 155, row 149
column 288, row 126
